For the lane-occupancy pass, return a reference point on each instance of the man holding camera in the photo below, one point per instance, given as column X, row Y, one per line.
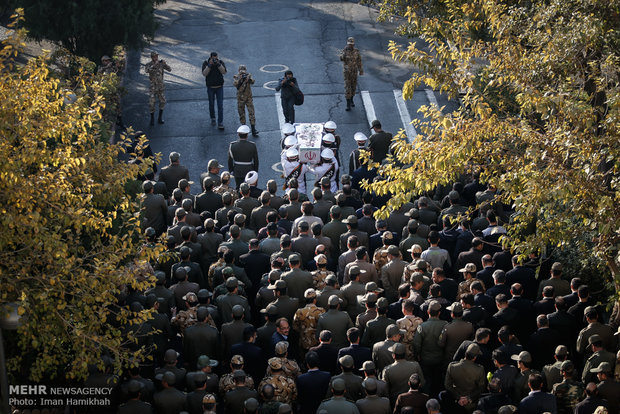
column 155, row 69
column 213, row 70
column 243, row 81
column 288, row 86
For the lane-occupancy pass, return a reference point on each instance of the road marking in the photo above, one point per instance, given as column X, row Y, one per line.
column 266, row 85
column 280, row 68
column 277, row 167
column 430, row 95
column 404, row 115
column 279, row 108
column 368, row 106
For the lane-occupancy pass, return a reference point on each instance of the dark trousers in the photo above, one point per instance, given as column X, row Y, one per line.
column 433, row 374
column 288, row 108
column 449, row 404
column 218, row 93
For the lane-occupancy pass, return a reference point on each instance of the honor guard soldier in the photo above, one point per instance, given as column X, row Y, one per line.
column 242, row 155
column 294, row 169
column 354, row 158
column 327, row 168
column 288, row 130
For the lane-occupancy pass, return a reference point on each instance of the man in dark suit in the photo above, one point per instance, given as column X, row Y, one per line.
column 359, row 353
column 573, row 297
column 537, row 401
column 413, row 398
column 525, row 276
column 546, row 305
column 542, row 343
column 499, row 278
column 505, row 314
column 154, row 209
column 482, row 300
column 311, row 386
column 563, row 323
column 592, row 401
column 255, row 264
column 486, row 274
column 252, row 354
column 328, row 354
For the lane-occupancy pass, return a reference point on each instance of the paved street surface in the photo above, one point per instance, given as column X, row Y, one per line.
column 268, row 37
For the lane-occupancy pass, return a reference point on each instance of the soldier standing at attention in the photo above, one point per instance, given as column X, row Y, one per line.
column 242, row 156
column 352, row 60
column 243, row 81
column 155, row 69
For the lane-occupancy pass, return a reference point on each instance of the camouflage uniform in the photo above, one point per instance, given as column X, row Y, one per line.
column 155, row 70
column 285, row 390
column 227, row 383
column 289, row 367
column 211, row 273
column 410, row 325
column 187, row 318
column 380, row 258
column 318, row 279
column 304, row 322
column 242, row 82
column 568, row 393
column 465, row 287
column 352, row 65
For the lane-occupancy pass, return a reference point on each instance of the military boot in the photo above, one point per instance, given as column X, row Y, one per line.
column 254, row 131
column 152, row 119
column 348, row 105
column 352, row 103
column 159, row 119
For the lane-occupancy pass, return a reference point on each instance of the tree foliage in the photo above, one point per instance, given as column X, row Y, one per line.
column 68, row 243
column 540, row 114
column 91, row 28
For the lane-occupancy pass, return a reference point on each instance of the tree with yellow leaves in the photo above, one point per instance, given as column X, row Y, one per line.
column 69, row 233
column 539, row 116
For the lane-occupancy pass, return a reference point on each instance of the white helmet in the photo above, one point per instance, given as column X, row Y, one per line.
column 291, row 153
column 251, row 177
column 359, row 137
column 288, row 129
column 327, row 153
column 330, row 125
column 329, row 138
column 243, row 129
column 290, row 141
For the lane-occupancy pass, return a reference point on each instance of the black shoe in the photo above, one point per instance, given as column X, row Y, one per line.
column 254, row 131
column 352, row 103
column 152, row 119
column 220, row 127
column 159, row 118
column 213, row 121
column 348, row 105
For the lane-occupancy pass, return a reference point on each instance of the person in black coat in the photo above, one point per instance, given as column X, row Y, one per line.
column 328, row 354
column 542, row 343
column 311, row 386
column 546, row 305
column 255, row 264
column 573, row 297
column 537, row 401
column 563, row 323
column 505, row 314
column 359, row 353
column 499, row 278
column 289, row 88
column 525, row 276
column 252, row 354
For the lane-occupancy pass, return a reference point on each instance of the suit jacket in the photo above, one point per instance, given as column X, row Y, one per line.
column 538, row 402
column 359, row 353
column 541, row 345
column 255, row 264
column 155, row 212
column 415, row 399
column 328, row 355
column 527, row 277
column 311, row 387
column 254, row 360
column 172, row 174
column 169, row 401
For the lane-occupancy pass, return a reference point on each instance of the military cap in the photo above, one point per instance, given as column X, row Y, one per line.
column 360, row 137
column 238, row 373
column 387, row 235
column 333, row 300
column 275, row 364
column 280, row 284
column 228, row 271
column 271, row 309
column 237, row 360
column 335, row 210
column 285, row 238
column 190, row 297
column 398, row 349
column 355, row 270
column 232, row 282
column 453, row 195
column 604, row 367
column 456, row 307
column 213, row 163
column 310, row 293
column 594, row 338
column 294, row 258
column 234, row 229
column 346, row 361
column 291, row 152
column 561, row 350
column 523, row 356
column 237, row 310
column 168, row 377
column 372, row 287
column 205, row 361
column 370, row 384
column 392, row 330
column 208, row 399
column 393, row 250
column 281, row 348
column 240, row 218
column 180, row 273
column 134, row 386
column 367, row 366
column 170, row 356
column 473, row 349
column 350, row 41
column 351, row 219
column 288, row 129
column 250, row 405
column 209, row 223
column 507, row 409
column 567, row 366
column 180, row 212
column 421, row 265
column 469, row 268
column 284, row 409
column 320, row 259
column 331, row 278
column 244, row 187
column 154, row 53
column 382, row 303
column 369, row 297
column 207, row 183
column 226, row 197
column 434, row 305
column 338, row 384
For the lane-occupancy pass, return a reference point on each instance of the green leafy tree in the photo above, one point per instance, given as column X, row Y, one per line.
column 91, row 28
column 540, row 114
column 69, row 232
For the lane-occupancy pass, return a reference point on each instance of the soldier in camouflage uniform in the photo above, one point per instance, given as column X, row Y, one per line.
column 319, row 275
column 243, row 81
column 227, row 382
column 409, row 323
column 284, row 387
column 155, row 69
column 469, row 273
column 568, row 392
column 186, row 318
column 305, row 321
column 352, row 60
column 219, row 264
column 380, row 258
column 289, row 367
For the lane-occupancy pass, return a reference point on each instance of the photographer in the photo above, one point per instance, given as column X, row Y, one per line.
column 243, row 81
column 213, row 71
column 289, row 87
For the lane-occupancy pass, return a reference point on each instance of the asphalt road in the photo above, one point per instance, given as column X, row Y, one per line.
column 268, row 37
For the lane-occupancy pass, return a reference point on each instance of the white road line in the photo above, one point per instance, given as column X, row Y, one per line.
column 368, row 106
column 430, row 95
column 279, row 108
column 404, row 115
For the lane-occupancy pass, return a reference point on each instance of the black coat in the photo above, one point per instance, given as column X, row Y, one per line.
column 253, row 357
column 359, row 353
column 311, row 388
column 328, row 355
